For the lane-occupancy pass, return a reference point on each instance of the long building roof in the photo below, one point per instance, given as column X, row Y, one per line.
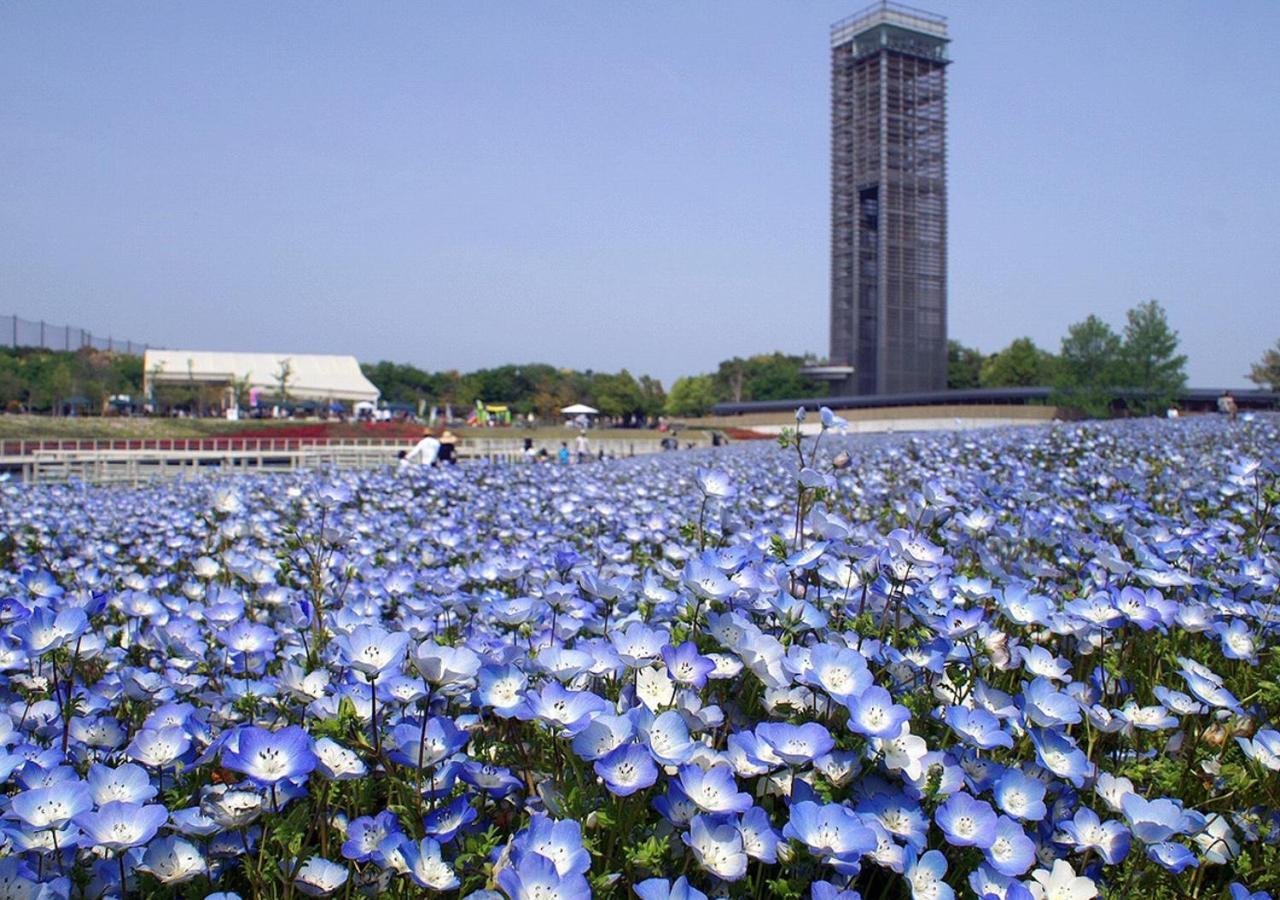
column 313, row 376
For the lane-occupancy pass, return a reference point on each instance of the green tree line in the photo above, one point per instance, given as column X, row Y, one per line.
column 39, row 380
column 1093, row 367
column 533, row 387
column 544, row 389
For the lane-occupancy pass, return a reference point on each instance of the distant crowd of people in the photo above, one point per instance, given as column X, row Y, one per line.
column 443, row 450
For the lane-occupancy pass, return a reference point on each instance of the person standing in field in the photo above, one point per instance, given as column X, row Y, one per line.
column 424, row 452
column 448, row 448
column 563, row 454
column 1227, row 405
column 581, row 447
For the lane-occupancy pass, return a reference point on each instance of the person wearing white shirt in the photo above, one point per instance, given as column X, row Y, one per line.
column 425, row 451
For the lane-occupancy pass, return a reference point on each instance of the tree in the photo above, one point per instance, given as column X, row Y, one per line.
column 617, row 395
column 283, row 376
column 655, row 398
column 765, row 376
column 1151, row 365
column 1089, row 368
column 692, row 395
column 1265, row 373
column 964, row 366
column 1021, row 364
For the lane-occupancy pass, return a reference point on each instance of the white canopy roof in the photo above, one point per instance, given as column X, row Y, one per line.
column 580, row 409
column 312, row 377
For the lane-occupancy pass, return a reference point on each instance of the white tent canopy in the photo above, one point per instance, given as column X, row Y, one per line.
column 312, row 376
column 580, row 409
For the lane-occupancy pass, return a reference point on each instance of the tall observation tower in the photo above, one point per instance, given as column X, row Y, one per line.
column 888, row 202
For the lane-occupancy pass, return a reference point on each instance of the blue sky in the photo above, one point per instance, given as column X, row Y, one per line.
column 601, row 185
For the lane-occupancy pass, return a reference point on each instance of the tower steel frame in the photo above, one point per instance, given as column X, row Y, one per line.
column 889, row 200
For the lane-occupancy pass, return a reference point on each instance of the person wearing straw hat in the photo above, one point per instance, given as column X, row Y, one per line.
column 425, row 451
column 448, row 448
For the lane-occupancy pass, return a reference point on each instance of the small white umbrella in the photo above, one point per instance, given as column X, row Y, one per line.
column 580, row 409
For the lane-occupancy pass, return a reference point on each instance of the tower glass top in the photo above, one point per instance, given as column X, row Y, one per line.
column 893, row 15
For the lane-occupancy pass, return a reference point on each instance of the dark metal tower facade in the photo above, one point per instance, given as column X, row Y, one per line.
column 889, row 200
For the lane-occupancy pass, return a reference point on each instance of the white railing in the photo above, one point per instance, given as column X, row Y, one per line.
column 136, row 462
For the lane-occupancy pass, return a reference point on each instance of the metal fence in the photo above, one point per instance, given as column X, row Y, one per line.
column 16, row 331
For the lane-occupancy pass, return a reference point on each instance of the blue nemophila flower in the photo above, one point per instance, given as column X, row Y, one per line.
column 603, row 735
column 924, row 876
column 1043, row 664
column 231, row 808
column 267, row 758
column 717, row 845
column 568, row 712
column 1062, row 883
column 127, row 782
column 832, row 832
column 874, row 714
column 1060, row 755
column 1213, row 836
column 706, row 582
column 977, row 727
column 118, row 824
column 367, row 833
column 715, row 483
column 627, row 769
column 1147, row 718
column 534, row 877
column 51, row 807
column 445, row 823
column 1207, row 686
column 668, row 739
column 989, row 884
column 796, row 745
column 638, row 644
column 445, row 666
column 1240, row 892
column 839, row 671
column 686, row 666
column 45, row 630
column 967, row 822
column 173, row 860
column 371, row 650
column 675, row 806
column 418, row 744
column 1172, row 856
column 426, row 866
column 338, row 763
column 1237, row 641
column 900, row 817
column 759, row 839
column 501, row 688
column 1087, row 832
column 494, row 780
column 1045, row 705
column 558, row 841
column 825, row 890
column 662, row 889
column 1011, row 852
column 245, row 637
column 1155, row 821
column 714, row 790
column 1264, row 748
column 317, row 877
column 158, row 748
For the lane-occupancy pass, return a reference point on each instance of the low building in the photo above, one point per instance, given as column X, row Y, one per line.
column 228, row 379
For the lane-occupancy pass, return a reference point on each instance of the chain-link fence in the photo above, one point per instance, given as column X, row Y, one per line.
column 18, row 332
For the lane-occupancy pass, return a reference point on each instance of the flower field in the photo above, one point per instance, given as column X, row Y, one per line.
column 1028, row 663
